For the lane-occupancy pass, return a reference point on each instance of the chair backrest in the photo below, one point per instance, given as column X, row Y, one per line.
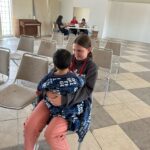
column 69, row 48
column 95, row 43
column 4, row 61
column 55, row 27
column 32, row 68
column 115, row 47
column 58, row 37
column 47, row 48
column 103, row 58
column 26, row 43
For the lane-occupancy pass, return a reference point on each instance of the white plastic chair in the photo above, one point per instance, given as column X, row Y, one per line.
column 26, row 44
column 59, row 38
column 103, row 59
column 70, row 42
column 116, row 48
column 17, row 96
column 95, row 43
column 47, row 48
column 4, row 64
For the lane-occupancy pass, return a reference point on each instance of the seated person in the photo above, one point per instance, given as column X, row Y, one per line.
column 83, row 24
column 61, row 26
column 59, row 81
column 72, row 23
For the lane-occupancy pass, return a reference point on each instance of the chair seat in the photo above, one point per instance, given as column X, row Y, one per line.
column 16, row 97
column 17, row 55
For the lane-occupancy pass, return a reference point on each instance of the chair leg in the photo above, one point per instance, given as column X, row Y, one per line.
column 79, row 145
column 36, row 146
column 106, row 88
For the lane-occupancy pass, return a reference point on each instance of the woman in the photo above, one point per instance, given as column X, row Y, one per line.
column 57, row 128
column 61, row 26
column 73, row 22
column 83, row 24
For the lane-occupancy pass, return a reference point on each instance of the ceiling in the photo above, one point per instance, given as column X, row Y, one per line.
column 135, row 1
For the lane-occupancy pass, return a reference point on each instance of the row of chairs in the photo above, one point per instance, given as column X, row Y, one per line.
column 26, row 44
column 31, row 70
column 17, row 95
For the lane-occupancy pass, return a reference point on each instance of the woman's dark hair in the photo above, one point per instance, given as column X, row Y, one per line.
column 62, row 58
column 84, row 41
column 83, row 19
column 59, row 19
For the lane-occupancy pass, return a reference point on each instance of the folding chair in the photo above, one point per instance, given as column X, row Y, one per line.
column 70, row 42
column 116, row 48
column 103, row 59
column 59, row 38
column 47, row 49
column 17, row 96
column 26, row 44
column 4, row 64
column 69, row 47
column 55, row 27
column 95, row 43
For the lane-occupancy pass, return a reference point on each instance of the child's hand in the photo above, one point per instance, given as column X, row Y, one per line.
column 54, row 98
column 38, row 93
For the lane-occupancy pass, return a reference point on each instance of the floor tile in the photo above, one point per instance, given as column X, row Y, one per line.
column 145, row 64
column 135, row 53
column 141, row 109
column 8, row 133
column 125, row 96
column 144, row 75
column 113, row 86
column 123, row 60
column 139, row 133
column 121, row 113
column 133, row 67
column 133, row 84
column 100, row 118
column 114, row 138
column 134, row 58
column 109, row 100
column 89, row 142
column 142, row 93
column 7, row 114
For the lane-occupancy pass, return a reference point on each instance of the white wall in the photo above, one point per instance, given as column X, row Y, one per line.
column 97, row 8
column 0, row 28
column 128, row 21
column 22, row 9
column 81, row 13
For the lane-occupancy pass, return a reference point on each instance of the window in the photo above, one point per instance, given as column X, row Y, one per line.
column 5, row 14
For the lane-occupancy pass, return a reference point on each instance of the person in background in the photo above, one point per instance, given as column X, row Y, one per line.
column 72, row 23
column 61, row 26
column 83, row 24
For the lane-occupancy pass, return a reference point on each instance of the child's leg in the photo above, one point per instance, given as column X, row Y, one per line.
column 55, row 134
column 35, row 124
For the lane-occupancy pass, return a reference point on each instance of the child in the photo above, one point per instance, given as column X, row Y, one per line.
column 60, row 81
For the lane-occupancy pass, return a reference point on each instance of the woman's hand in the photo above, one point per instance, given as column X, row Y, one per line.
column 54, row 98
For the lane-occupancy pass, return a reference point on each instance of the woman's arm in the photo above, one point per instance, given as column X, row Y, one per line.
column 84, row 92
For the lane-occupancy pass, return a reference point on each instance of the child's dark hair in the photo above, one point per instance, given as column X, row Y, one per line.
column 62, row 58
column 84, row 41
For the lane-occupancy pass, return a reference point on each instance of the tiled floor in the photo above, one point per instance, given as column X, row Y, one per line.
column 122, row 123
